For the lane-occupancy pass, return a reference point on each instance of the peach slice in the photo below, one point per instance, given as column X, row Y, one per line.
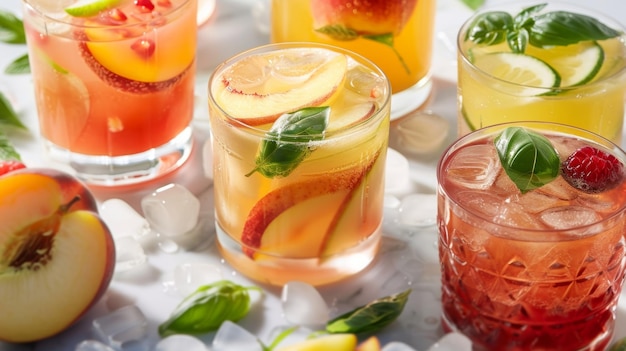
column 351, row 116
column 260, row 88
column 370, row 344
column 56, row 259
column 364, row 17
column 335, row 342
column 274, row 203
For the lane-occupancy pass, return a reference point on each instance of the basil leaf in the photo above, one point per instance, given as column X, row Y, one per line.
column 556, row 28
column 286, row 144
column 565, row 28
column 371, row 317
column 490, row 28
column 528, row 158
column 207, row 308
column 338, row 32
column 7, row 151
column 18, row 66
column 11, row 29
column 8, row 116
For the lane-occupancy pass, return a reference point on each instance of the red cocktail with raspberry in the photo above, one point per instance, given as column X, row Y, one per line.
column 532, row 222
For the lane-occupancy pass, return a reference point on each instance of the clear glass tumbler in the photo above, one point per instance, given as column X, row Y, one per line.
column 299, row 135
column 114, row 85
column 532, row 223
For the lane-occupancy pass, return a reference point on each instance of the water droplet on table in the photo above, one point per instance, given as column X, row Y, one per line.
column 303, row 305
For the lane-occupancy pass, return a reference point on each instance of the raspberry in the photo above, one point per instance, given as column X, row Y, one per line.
column 591, row 170
column 10, row 165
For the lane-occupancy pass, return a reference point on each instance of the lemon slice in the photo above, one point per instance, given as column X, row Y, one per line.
column 577, row 64
column 88, row 8
column 532, row 75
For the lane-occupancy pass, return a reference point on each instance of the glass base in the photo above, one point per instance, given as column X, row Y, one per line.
column 411, row 99
column 315, row 271
column 125, row 170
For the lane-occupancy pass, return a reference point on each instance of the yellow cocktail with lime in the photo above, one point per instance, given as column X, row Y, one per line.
column 543, row 63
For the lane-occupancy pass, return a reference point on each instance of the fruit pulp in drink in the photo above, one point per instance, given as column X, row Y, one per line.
column 117, row 83
column 321, row 222
column 596, row 105
column 407, row 30
column 541, row 270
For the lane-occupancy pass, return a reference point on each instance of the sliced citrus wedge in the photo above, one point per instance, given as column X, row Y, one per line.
column 260, row 88
column 336, row 342
column 88, row 8
column 532, row 75
column 577, row 64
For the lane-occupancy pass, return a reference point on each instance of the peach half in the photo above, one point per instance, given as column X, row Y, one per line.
column 260, row 88
column 56, row 255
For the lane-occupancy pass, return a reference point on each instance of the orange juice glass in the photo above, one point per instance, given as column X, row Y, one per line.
column 582, row 83
column 299, row 134
column 540, row 268
column 114, row 85
column 397, row 35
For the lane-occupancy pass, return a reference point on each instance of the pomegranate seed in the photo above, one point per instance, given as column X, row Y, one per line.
column 112, row 17
column 592, row 170
column 144, row 5
column 144, row 47
column 10, row 165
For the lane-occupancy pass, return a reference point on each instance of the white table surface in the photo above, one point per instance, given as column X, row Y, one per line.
column 405, row 261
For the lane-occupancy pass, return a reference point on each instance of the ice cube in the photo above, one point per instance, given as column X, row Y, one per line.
column 122, row 327
column 128, row 254
column 180, row 343
column 566, row 217
column 364, row 82
column 171, row 210
column 188, row 277
column 452, row 342
column 418, row 210
column 92, row 345
column 397, row 346
column 397, row 179
column 514, row 215
column 474, row 166
column 123, row 220
column 230, row 336
column 303, row 305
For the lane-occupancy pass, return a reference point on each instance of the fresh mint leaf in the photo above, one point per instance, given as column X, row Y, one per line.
column 529, row 27
column 372, row 317
column 8, row 116
column 287, row 143
column 528, row 158
column 11, row 29
column 18, row 66
column 207, row 308
column 7, row 151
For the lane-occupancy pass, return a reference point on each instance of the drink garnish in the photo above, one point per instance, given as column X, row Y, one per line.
column 528, row 158
column 370, row 318
column 208, row 307
column 287, row 142
column 555, row 28
column 88, row 8
column 592, row 170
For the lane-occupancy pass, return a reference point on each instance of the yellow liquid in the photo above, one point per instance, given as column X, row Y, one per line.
column 597, row 106
column 320, row 238
column 292, row 20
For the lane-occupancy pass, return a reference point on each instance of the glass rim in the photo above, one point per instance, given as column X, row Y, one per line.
column 531, row 234
column 512, row 5
column 67, row 19
column 250, row 129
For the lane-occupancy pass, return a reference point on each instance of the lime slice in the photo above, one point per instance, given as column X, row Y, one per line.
column 577, row 64
column 87, row 8
column 532, row 75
